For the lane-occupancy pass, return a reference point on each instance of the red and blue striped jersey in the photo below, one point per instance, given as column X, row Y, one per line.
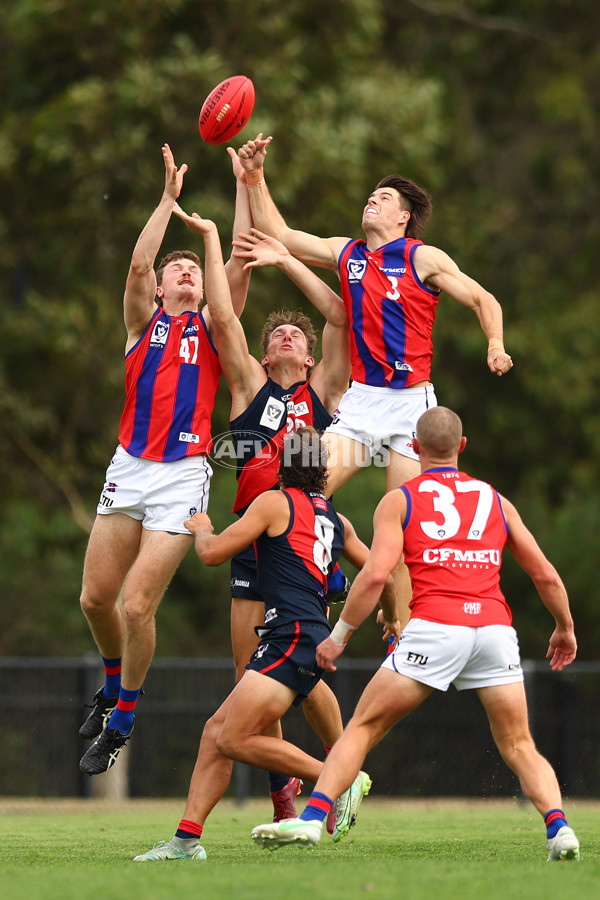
column 391, row 314
column 454, row 535
column 171, row 378
column 294, row 567
column 260, row 430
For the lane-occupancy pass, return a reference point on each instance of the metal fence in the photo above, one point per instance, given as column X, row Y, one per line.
column 444, row 748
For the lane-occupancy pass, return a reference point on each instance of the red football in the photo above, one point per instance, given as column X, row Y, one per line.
column 226, row 109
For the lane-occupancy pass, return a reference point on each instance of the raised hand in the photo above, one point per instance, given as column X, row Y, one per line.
column 173, row 175
column 252, row 154
column 194, row 222
column 259, row 249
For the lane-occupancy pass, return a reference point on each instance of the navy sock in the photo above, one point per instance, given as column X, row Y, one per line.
column 318, row 807
column 276, row 781
column 122, row 716
column 112, row 676
column 554, row 819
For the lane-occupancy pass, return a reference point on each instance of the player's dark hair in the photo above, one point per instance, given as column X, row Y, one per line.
column 304, row 460
column 289, row 317
column 413, row 198
column 171, row 257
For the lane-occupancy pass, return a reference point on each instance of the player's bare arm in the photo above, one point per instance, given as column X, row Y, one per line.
column 524, row 547
column 436, row 269
column 331, row 376
column 374, row 583
column 237, row 276
column 244, row 375
column 139, row 301
column 269, row 512
column 310, row 249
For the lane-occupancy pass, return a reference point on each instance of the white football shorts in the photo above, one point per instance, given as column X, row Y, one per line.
column 440, row 655
column 159, row 494
column 381, row 417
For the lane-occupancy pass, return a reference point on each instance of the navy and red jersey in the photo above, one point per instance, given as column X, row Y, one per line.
column 294, row 567
column 454, row 535
column 260, row 430
column 171, row 378
column 391, row 314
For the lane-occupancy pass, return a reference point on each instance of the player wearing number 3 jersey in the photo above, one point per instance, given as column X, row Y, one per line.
column 390, row 283
column 452, row 529
column 298, row 536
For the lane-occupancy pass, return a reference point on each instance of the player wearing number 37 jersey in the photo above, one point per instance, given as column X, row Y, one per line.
column 452, row 530
column 454, row 533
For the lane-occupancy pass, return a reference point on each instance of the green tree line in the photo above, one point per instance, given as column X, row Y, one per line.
column 492, row 106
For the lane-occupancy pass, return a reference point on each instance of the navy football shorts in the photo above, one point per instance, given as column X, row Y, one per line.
column 288, row 654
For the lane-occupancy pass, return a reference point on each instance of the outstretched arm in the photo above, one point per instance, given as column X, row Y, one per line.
column 243, row 373
column 317, row 251
column 139, row 301
column 562, row 648
column 437, row 269
column 237, row 276
column 330, row 378
column 373, row 584
column 269, row 512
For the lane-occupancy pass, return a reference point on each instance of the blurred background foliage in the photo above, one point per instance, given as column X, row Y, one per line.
column 492, row 106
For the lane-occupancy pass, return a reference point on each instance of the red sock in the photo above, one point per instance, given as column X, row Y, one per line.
column 188, row 829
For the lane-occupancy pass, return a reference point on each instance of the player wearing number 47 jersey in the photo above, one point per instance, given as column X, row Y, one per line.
column 299, row 536
column 452, row 530
column 159, row 474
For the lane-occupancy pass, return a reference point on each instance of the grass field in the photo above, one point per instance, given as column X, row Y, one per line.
column 447, row 850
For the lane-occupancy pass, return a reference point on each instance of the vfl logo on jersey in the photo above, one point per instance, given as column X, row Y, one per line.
column 160, row 333
column 402, row 366
column 270, row 614
column 189, row 438
column 273, row 413
column 356, row 269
